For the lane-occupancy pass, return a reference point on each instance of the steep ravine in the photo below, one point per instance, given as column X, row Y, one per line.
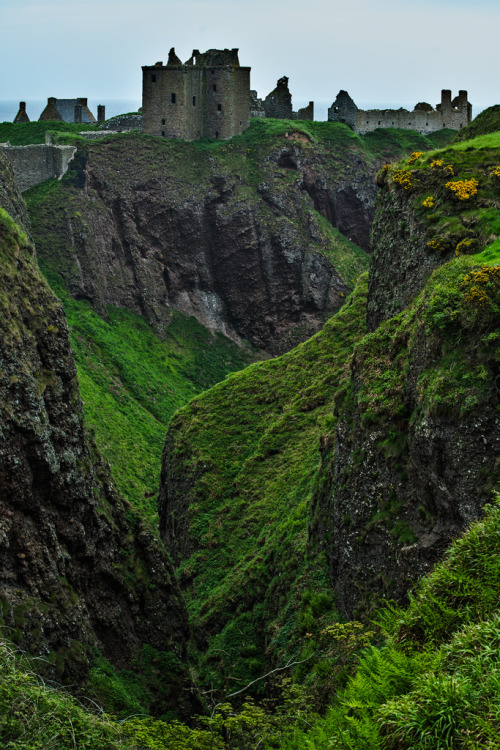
column 79, row 572
column 259, row 238
column 374, row 449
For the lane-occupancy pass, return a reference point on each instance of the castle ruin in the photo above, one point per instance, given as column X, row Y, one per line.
column 206, row 97
column 454, row 114
column 278, row 104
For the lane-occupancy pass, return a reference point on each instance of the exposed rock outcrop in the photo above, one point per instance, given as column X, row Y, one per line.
column 78, row 570
column 233, row 239
column 10, row 197
column 402, row 479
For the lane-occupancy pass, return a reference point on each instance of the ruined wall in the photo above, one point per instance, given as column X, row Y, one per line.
column 454, row 114
column 37, row 163
column 306, row 113
column 278, row 103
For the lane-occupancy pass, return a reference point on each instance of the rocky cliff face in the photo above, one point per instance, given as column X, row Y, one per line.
column 10, row 197
column 78, row 570
column 414, row 457
column 245, row 237
column 406, row 416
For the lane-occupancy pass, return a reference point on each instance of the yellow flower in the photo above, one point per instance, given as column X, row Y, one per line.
column 463, row 189
column 403, row 178
column 413, row 157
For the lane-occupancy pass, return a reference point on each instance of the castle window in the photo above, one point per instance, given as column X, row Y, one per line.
column 216, row 133
column 163, row 122
column 153, row 77
column 173, row 98
column 379, row 122
column 163, row 133
column 194, row 101
column 214, row 87
column 219, row 107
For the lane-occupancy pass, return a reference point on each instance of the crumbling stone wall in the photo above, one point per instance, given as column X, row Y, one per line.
column 454, row 114
column 36, row 163
column 256, row 105
column 305, row 113
column 206, row 97
column 278, row 103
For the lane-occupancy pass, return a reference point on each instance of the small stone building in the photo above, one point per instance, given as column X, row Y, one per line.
column 205, row 97
column 455, row 114
column 69, row 110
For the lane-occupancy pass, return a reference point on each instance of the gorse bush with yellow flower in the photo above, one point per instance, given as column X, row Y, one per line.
column 481, row 286
column 413, row 157
column 403, row 177
column 463, row 189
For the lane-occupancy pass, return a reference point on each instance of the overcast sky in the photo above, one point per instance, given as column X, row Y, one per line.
column 380, row 51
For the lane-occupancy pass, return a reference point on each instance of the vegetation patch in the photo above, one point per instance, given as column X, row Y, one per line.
column 131, row 383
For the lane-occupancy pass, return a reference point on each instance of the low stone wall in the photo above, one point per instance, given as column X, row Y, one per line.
column 123, row 123
column 36, row 163
column 423, row 122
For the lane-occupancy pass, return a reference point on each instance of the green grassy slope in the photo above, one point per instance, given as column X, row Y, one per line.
column 487, row 121
column 25, row 133
column 251, row 449
column 433, row 681
column 132, row 382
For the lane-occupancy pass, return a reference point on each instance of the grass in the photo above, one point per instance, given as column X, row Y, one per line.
column 250, row 473
column 131, row 383
column 487, row 121
column 433, row 681
column 25, row 133
column 456, row 226
column 34, row 716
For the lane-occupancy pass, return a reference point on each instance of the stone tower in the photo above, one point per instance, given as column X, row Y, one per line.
column 206, row 97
